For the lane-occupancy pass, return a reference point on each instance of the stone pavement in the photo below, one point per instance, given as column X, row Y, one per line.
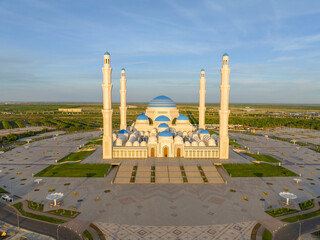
column 236, row 231
column 15, row 234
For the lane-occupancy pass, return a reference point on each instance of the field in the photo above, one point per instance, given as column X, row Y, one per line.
column 264, row 158
column 34, row 114
column 257, row 170
column 75, row 156
column 75, row 170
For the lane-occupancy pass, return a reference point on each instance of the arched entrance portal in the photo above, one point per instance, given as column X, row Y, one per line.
column 165, row 152
column 152, row 152
column 178, row 152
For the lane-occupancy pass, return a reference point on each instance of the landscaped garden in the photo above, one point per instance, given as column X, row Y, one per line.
column 39, row 217
column 65, row 213
column 75, row 170
column 257, row 170
column 306, row 205
column 281, row 211
column 76, row 156
column 263, row 158
column 35, row 206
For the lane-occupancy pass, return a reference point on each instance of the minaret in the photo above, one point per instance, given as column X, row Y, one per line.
column 224, row 108
column 107, row 109
column 202, row 100
column 123, row 95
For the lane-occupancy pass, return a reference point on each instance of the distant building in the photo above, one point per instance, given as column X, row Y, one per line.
column 71, row 110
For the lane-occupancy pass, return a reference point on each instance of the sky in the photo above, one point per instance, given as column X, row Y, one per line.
column 52, row 51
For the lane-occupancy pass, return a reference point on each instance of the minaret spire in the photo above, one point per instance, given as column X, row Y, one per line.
column 202, row 100
column 224, row 108
column 123, row 96
column 107, row 109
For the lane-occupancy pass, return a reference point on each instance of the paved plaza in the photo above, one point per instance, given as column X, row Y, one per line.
column 168, row 174
column 103, row 202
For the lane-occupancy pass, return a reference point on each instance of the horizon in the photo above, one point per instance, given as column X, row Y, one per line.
column 274, row 50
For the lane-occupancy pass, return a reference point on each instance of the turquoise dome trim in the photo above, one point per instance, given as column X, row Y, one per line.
column 142, row 116
column 204, row 132
column 163, row 125
column 202, row 70
column 225, row 55
column 165, row 134
column 162, row 118
column 123, row 131
column 107, row 53
column 182, row 117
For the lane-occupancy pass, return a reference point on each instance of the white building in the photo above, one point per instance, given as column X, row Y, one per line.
column 162, row 131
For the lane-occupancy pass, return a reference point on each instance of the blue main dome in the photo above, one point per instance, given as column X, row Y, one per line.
column 204, row 132
column 162, row 118
column 162, row 101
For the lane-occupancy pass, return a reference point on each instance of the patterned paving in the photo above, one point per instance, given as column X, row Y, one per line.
column 134, row 232
column 167, row 174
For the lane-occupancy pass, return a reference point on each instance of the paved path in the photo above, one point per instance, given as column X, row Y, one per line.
column 9, row 215
column 291, row 231
column 236, row 231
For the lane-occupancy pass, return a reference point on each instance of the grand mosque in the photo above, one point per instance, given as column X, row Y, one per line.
column 162, row 131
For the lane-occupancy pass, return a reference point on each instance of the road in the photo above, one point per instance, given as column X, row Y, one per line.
column 9, row 215
column 291, row 231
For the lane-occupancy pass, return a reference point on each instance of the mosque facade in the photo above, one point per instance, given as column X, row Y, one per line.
column 162, row 131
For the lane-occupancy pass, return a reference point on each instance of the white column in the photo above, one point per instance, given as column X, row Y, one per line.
column 123, row 100
column 107, row 109
column 224, row 108
column 202, row 100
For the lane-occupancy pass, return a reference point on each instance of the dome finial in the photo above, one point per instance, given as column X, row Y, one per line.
column 107, row 53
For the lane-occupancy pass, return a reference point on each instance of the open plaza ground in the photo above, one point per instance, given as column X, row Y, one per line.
column 168, row 202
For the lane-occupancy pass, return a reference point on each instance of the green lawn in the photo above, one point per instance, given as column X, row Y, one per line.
column 281, row 211
column 94, row 142
column 75, row 170
column 39, row 217
column 267, row 235
column 264, row 158
column 87, row 235
column 301, row 217
column 75, row 156
column 257, row 170
column 3, row 191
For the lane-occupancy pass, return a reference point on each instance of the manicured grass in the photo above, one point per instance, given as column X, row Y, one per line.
column 281, row 211
column 301, row 217
column 75, row 156
column 306, row 205
column 257, row 170
column 95, row 142
column 39, row 217
column 3, row 191
column 232, row 142
column 35, row 206
column 87, row 235
column 267, row 235
column 315, row 149
column 75, row 170
column 65, row 213
column 77, row 139
column 264, row 158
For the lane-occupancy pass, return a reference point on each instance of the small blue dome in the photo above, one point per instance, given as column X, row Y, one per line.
column 162, row 118
column 182, row 117
column 165, row 134
column 163, row 125
column 122, row 69
column 123, row 131
column 142, row 116
column 204, row 132
column 225, row 54
column 162, row 101
column 202, row 70
column 106, row 53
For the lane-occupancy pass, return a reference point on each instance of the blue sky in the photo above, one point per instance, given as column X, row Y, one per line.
column 53, row 50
